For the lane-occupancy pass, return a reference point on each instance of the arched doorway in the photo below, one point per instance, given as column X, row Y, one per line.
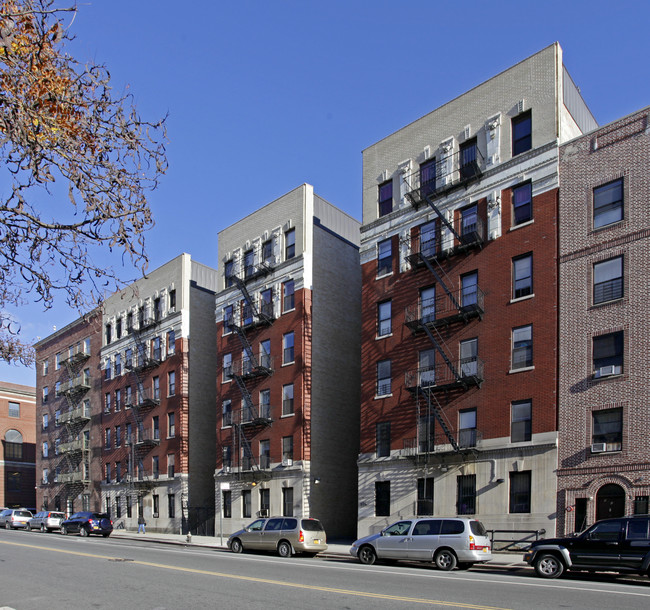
column 610, row 501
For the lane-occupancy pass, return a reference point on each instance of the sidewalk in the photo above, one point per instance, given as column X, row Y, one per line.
column 513, row 560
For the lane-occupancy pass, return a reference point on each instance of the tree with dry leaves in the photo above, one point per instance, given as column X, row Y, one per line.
column 79, row 163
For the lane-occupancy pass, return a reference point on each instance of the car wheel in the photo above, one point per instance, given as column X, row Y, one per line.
column 7, row 525
column 445, row 560
column 106, row 535
column 549, row 566
column 43, row 528
column 83, row 532
column 284, row 549
column 367, row 555
column 28, row 527
column 64, row 530
column 236, row 546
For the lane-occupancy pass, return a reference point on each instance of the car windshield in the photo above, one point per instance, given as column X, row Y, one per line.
column 400, row 528
column 478, row 529
column 311, row 525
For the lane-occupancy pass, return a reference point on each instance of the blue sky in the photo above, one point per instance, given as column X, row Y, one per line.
column 264, row 95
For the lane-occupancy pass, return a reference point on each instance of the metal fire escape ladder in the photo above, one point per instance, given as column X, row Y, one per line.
column 434, row 406
column 247, row 297
column 440, row 281
column 442, row 218
column 437, row 344
column 248, row 348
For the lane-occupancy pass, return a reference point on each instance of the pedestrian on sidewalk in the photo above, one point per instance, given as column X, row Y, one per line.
column 141, row 524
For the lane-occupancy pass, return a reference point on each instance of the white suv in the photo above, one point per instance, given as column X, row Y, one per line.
column 12, row 518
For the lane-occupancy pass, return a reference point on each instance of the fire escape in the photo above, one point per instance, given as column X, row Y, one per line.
column 147, row 357
column 435, row 246
column 73, row 470
column 249, row 370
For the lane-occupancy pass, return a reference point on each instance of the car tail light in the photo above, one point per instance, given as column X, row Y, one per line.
column 476, row 547
column 301, row 537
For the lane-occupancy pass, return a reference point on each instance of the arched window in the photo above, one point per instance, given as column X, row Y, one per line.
column 13, row 445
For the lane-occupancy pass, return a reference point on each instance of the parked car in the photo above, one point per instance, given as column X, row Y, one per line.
column 448, row 542
column 85, row 523
column 46, row 521
column 285, row 535
column 12, row 518
column 610, row 545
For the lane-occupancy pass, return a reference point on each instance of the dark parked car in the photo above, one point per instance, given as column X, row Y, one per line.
column 610, row 545
column 86, row 523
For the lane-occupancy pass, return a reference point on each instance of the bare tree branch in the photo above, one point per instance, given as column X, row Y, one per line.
column 62, row 124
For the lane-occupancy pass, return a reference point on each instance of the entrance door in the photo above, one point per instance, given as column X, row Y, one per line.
column 610, row 502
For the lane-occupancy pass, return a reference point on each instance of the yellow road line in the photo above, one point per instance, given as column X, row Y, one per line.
column 413, row 600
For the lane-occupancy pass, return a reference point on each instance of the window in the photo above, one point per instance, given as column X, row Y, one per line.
column 107, row 370
column 288, row 302
column 227, row 367
column 467, row 161
column 172, row 301
column 384, row 322
column 171, row 343
column 608, row 429
column 229, row 272
column 171, row 425
column 14, row 409
column 155, row 467
column 265, row 500
column 46, row 449
column 287, row 348
column 171, row 506
column 46, row 421
column 522, row 276
column 227, row 504
column 246, row 503
column 118, row 400
column 426, row 433
column 128, row 358
column 608, row 354
column 428, row 246
column 265, row 404
column 428, row 178
column 522, row 347
column 383, row 378
column 265, row 353
column 108, row 334
column 118, row 473
column 287, row 399
column 386, row 198
column 521, row 134
column 249, row 264
column 428, row 304
column 128, row 434
column 522, row 203
column 118, row 328
column 425, row 497
column 382, row 439
column 57, row 362
column 57, row 417
column 157, row 349
column 226, row 413
column 108, row 472
column 290, row 244
column 156, row 388
column 469, row 224
column 128, row 402
column 13, row 445
column 157, row 308
column 427, row 368
column 466, row 494
column 267, row 251
column 384, row 257
column 118, row 436
column 287, row 450
column 107, row 438
column 608, row 280
column 129, row 322
column 382, row 498
column 287, row 501
column 469, row 291
column 265, row 453
column 520, row 491
column 107, row 402
column 467, row 428
column 46, row 366
column 469, row 357
column 171, row 383
column 520, row 426
column 155, row 422
column 608, row 203
column 266, row 303
column 226, row 456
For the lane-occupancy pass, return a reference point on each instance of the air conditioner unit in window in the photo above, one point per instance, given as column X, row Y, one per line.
column 606, row 371
column 598, row 447
column 287, row 462
column 263, row 512
column 226, row 469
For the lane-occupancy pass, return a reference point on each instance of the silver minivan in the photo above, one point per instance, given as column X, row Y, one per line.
column 447, row 541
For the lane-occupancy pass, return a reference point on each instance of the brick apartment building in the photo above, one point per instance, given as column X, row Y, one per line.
column 17, row 456
column 459, row 308
column 288, row 312
column 68, row 390
column 158, row 367
column 604, row 247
